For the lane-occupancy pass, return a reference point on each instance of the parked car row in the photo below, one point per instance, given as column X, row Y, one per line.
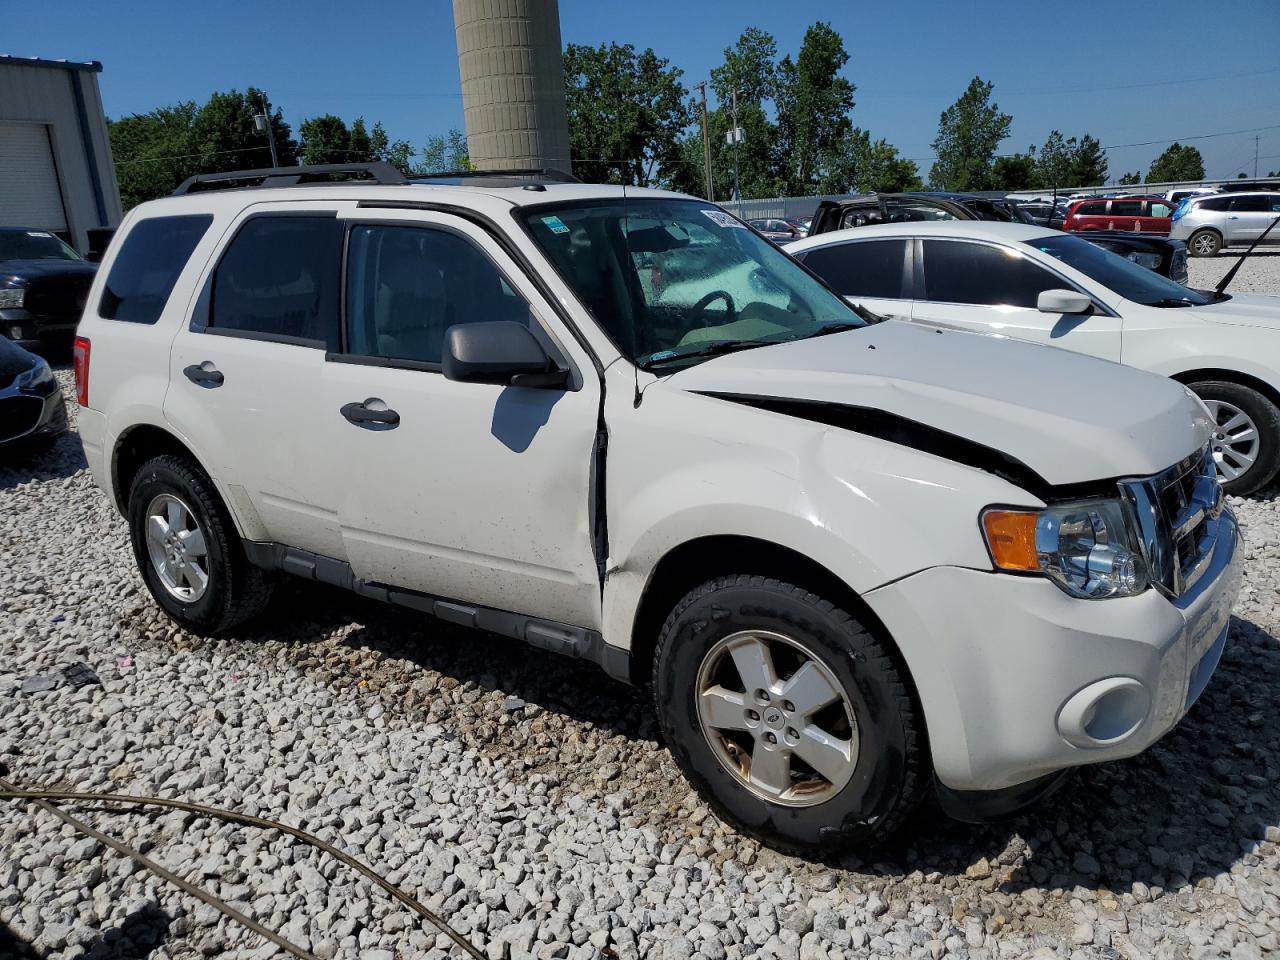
column 857, row 560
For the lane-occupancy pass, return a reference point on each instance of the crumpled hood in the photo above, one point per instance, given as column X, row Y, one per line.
column 1069, row 417
column 1244, row 309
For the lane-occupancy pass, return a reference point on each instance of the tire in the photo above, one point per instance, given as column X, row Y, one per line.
column 1204, row 243
column 873, row 790
column 234, row 591
column 1232, row 448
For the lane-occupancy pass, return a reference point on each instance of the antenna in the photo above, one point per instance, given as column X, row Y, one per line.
column 1231, row 274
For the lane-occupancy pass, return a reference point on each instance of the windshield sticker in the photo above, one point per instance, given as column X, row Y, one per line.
column 722, row 219
column 555, row 224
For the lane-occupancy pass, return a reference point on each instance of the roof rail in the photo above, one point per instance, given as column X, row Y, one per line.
column 499, row 177
column 379, row 171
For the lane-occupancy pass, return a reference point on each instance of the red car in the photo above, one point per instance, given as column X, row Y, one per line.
column 1139, row 214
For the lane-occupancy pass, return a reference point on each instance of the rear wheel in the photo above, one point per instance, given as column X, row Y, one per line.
column 187, row 549
column 1246, row 435
column 790, row 718
column 1204, row 243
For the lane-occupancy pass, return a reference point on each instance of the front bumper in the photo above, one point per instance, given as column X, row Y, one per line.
column 30, row 418
column 37, row 333
column 1018, row 680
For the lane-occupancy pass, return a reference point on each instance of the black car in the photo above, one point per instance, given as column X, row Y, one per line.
column 32, row 412
column 1164, row 256
column 43, row 286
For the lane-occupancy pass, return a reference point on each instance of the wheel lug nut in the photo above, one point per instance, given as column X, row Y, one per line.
column 772, row 738
column 792, row 733
column 788, row 706
column 752, row 715
column 762, row 695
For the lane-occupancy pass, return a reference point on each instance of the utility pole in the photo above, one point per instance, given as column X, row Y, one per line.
column 733, row 100
column 271, row 134
column 1255, row 156
column 706, row 144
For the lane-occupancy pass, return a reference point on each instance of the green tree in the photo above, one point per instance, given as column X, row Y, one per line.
column 750, row 67
column 325, row 139
column 627, row 112
column 812, row 102
column 1015, row 172
column 1088, row 162
column 156, row 151
column 445, row 154
column 1068, row 162
column 877, row 168
column 969, row 133
column 1175, row 164
column 1130, row 179
column 1241, row 176
column 398, row 153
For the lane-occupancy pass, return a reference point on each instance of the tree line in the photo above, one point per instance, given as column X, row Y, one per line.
column 633, row 120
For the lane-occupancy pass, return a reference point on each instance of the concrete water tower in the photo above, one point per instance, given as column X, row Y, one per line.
column 512, row 83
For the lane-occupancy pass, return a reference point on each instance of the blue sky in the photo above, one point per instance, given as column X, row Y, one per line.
column 1197, row 69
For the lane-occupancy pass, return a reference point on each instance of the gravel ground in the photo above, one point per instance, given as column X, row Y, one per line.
column 528, row 798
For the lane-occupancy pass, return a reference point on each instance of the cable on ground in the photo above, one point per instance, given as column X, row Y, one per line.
column 43, row 797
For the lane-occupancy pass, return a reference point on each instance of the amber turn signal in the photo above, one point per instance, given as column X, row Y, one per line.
column 1011, row 536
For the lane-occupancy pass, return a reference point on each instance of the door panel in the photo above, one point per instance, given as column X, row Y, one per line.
column 478, row 492
column 992, row 289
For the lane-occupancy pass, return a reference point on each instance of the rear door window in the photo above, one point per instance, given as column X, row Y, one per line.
column 1250, row 204
column 979, row 273
column 278, row 280
column 147, row 266
column 869, row 268
column 1126, row 208
column 1213, row 203
column 1095, row 209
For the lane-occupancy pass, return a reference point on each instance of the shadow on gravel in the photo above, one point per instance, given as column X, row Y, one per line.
column 13, row 947
column 64, row 458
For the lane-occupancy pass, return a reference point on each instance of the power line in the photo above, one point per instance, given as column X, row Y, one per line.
column 1048, row 91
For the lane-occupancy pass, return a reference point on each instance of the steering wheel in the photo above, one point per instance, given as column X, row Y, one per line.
column 700, row 307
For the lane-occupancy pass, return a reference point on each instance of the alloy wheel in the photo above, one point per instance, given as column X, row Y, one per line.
column 176, row 546
column 1205, row 245
column 776, row 718
column 1235, row 440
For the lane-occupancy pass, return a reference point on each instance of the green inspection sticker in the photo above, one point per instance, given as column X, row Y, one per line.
column 556, row 224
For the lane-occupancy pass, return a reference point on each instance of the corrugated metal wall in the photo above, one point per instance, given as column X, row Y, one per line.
column 66, row 102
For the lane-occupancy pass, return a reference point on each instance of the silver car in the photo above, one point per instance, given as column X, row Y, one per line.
column 1208, row 224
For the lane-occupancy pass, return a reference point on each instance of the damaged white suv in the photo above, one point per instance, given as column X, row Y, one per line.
column 856, row 561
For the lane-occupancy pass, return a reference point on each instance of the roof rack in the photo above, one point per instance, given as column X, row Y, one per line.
column 498, row 178
column 379, row 171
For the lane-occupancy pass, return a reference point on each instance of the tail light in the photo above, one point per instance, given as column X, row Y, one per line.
column 80, row 366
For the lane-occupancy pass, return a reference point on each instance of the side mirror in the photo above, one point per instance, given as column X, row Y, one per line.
column 501, row 352
column 1063, row 301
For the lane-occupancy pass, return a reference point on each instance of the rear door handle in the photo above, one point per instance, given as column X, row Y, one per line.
column 372, row 414
column 1233, row 218
column 204, row 375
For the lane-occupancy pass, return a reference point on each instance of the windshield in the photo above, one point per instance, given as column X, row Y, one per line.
column 33, row 245
column 1118, row 273
column 671, row 280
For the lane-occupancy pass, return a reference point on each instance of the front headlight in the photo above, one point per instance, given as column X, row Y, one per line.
column 11, row 298
column 1148, row 260
column 1086, row 547
column 38, row 376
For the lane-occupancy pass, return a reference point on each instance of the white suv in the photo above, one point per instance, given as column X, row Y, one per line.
column 856, row 561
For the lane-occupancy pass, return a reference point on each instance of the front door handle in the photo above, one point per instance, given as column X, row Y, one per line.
column 204, row 375
column 372, row 414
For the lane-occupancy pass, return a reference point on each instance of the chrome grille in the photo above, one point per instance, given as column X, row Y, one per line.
column 1175, row 510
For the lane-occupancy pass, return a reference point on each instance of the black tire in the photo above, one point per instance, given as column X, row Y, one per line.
column 1266, row 418
column 1204, row 243
column 890, row 775
column 237, row 591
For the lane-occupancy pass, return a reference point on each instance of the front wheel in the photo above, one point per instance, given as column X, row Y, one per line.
column 187, row 549
column 1204, row 243
column 1246, row 435
column 787, row 715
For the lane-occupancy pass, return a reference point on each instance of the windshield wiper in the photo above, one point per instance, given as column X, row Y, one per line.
column 1172, row 302
column 708, row 349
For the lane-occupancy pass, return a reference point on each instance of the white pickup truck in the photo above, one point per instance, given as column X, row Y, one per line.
column 857, row 561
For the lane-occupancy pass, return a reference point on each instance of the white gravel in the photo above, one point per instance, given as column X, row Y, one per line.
column 527, row 798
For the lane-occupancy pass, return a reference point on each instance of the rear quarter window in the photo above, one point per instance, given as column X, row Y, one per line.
column 147, row 266
column 1091, row 209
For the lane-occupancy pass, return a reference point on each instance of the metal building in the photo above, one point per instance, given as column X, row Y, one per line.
column 512, row 83
column 56, row 171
